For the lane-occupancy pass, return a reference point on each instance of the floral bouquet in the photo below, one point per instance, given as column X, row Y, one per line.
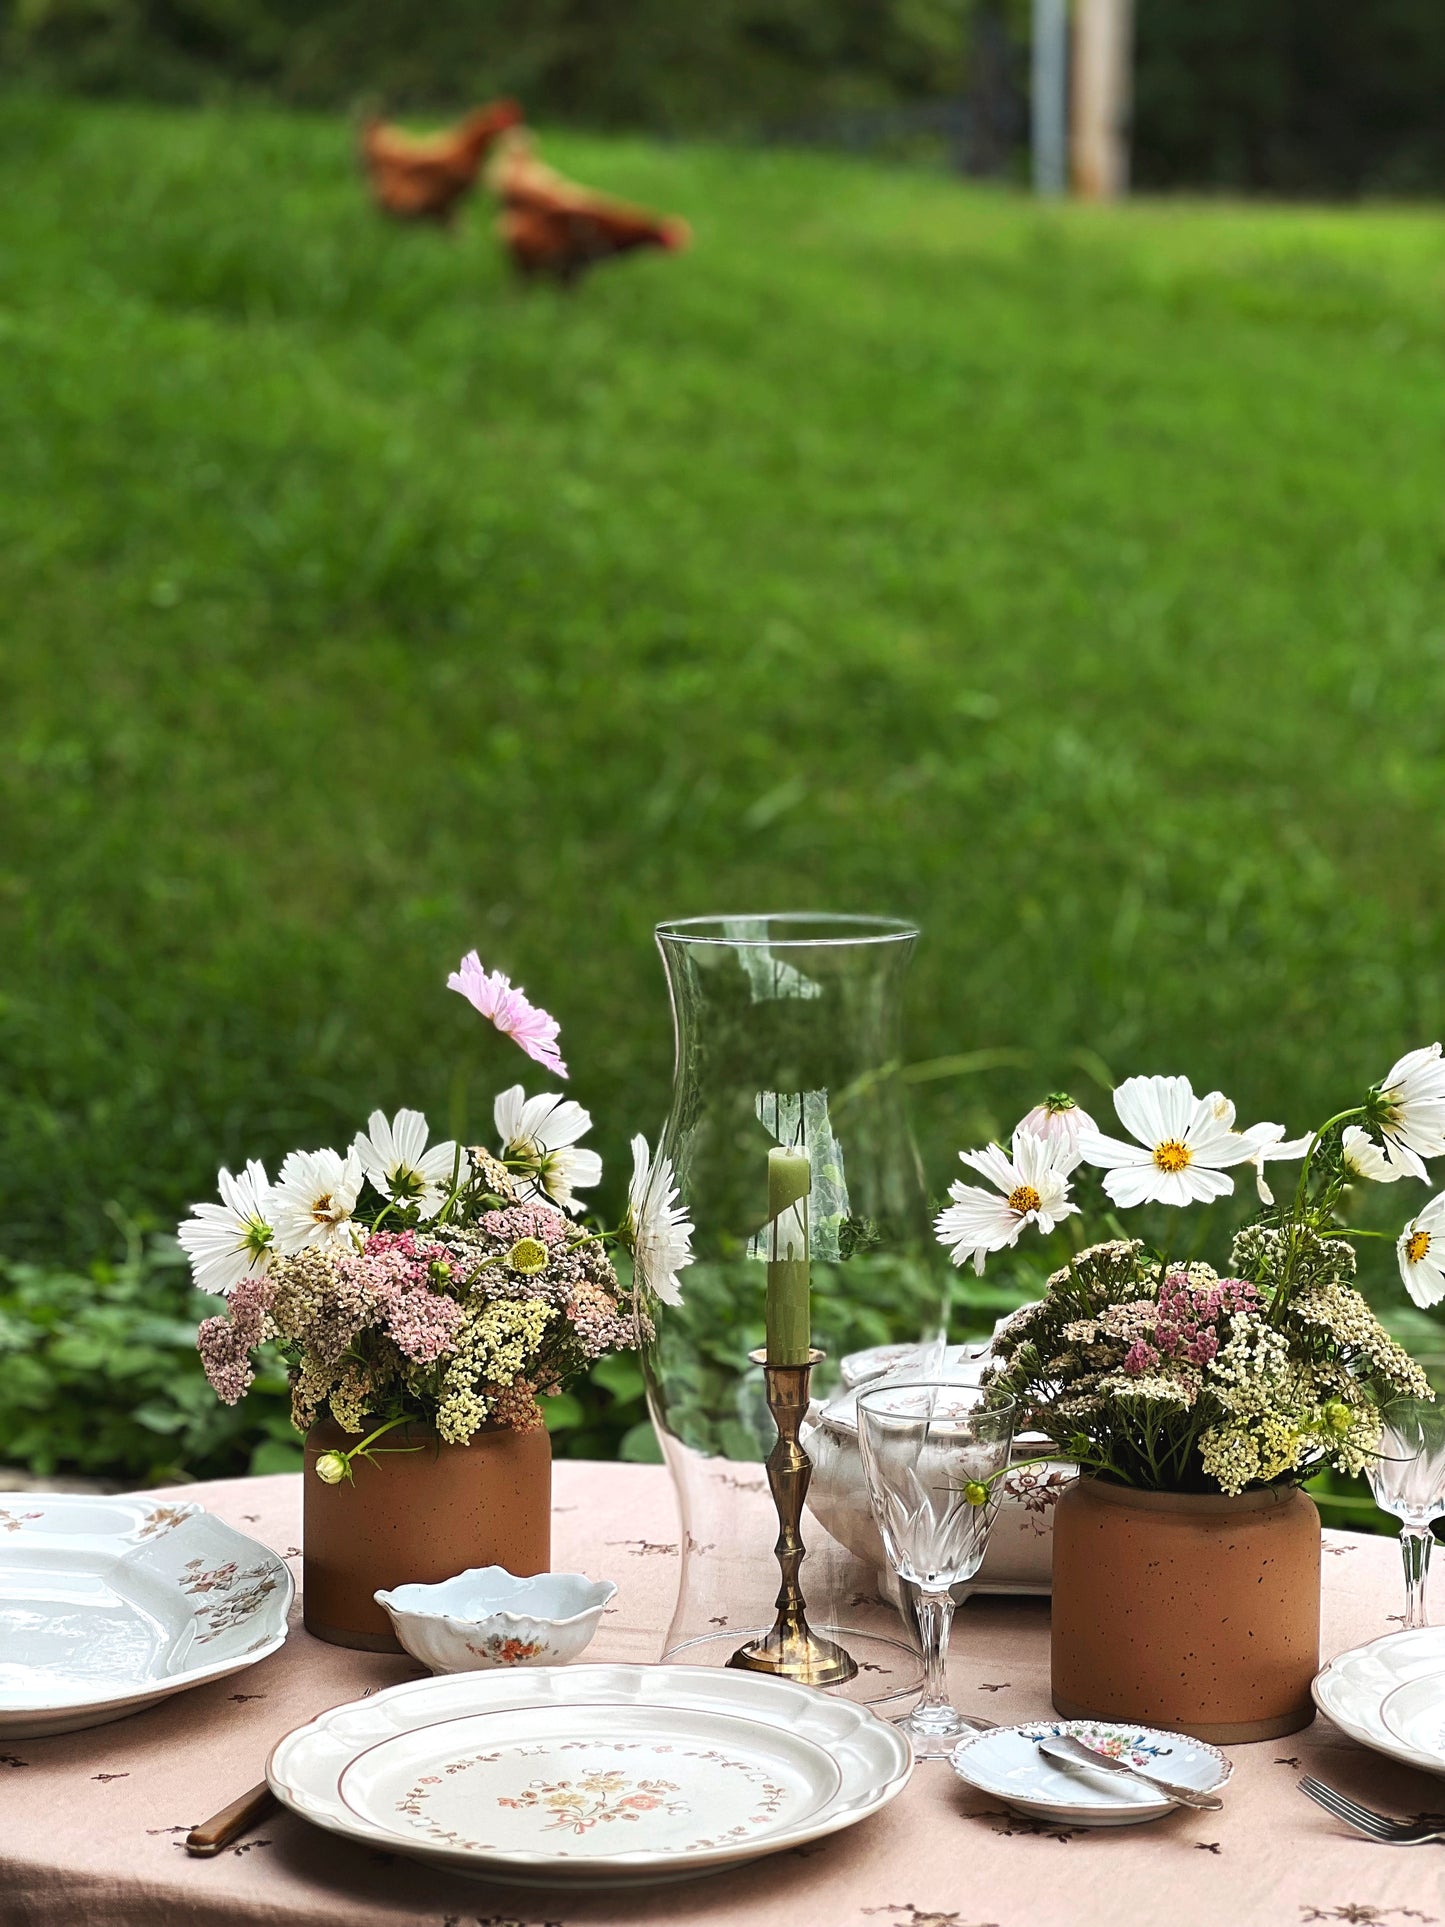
column 412, row 1281
column 1151, row 1369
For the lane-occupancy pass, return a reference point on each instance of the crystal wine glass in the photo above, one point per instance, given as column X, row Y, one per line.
column 933, row 1455
column 1408, row 1479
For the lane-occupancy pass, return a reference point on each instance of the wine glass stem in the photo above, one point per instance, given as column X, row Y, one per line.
column 1415, row 1545
column 935, row 1619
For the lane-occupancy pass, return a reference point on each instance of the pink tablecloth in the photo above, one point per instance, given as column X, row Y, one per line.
column 91, row 1824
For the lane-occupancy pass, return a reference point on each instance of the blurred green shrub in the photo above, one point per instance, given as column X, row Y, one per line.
column 99, row 1374
column 615, row 62
column 1292, row 96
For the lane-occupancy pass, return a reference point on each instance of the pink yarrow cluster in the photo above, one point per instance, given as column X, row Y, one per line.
column 394, row 1273
column 1186, row 1322
column 226, row 1342
column 509, row 1008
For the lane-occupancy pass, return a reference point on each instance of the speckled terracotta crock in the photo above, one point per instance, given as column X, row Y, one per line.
column 1195, row 1613
column 419, row 1516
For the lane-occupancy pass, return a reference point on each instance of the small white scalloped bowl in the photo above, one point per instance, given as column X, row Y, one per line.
column 488, row 1617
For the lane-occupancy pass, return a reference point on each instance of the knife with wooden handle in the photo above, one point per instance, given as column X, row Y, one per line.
column 217, row 1833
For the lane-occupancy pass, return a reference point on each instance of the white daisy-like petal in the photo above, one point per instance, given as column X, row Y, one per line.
column 313, row 1200
column 1272, row 1147
column 1140, row 1103
column 1184, row 1144
column 232, row 1240
column 1032, row 1187
column 992, row 1163
column 1421, row 1253
column 1363, row 1158
column 394, row 1157
column 657, row 1228
column 541, row 1134
column 1412, row 1100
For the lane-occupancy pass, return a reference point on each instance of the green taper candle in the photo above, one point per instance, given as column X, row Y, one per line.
column 790, row 1178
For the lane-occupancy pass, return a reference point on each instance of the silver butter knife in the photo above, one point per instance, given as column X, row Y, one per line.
column 1068, row 1751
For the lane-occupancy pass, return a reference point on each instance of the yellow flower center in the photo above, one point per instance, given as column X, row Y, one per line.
column 1171, row 1155
column 321, row 1211
column 1417, row 1246
column 1024, row 1199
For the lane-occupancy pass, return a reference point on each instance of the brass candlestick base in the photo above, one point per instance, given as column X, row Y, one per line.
column 792, row 1650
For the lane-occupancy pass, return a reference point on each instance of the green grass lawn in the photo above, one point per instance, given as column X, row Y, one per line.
column 1070, row 579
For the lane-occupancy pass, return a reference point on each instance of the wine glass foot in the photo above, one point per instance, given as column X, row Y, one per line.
column 935, row 1738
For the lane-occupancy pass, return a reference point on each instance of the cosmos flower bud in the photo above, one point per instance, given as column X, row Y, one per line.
column 1337, row 1416
column 332, row 1468
column 976, row 1492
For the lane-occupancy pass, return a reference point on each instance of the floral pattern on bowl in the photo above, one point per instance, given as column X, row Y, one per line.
column 488, row 1617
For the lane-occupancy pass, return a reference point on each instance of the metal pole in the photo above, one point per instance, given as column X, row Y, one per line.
column 1048, row 96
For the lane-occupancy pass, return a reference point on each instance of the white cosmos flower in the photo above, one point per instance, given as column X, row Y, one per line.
column 232, row 1240
column 1421, row 1251
column 1363, row 1158
column 394, row 1156
column 543, row 1133
column 313, row 1199
column 1411, row 1104
column 1272, row 1147
column 1186, row 1143
column 658, row 1230
column 1032, row 1188
column 1060, row 1119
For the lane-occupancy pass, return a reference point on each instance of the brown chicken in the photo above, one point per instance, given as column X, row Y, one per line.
column 426, row 178
column 551, row 226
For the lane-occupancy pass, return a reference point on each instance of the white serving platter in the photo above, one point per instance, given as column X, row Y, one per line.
column 1007, row 1763
column 110, row 1604
column 1352, row 1691
column 607, row 1776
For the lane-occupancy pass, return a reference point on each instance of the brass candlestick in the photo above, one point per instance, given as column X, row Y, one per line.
column 792, row 1650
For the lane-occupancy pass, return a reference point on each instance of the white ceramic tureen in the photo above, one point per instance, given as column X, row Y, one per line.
column 1021, row 1545
column 489, row 1617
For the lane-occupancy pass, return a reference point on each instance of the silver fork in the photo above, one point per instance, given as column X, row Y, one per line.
column 1376, row 1826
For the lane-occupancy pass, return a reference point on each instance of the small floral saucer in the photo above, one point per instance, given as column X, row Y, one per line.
column 1007, row 1763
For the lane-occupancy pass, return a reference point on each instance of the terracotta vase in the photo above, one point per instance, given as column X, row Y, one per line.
column 1195, row 1613
column 417, row 1516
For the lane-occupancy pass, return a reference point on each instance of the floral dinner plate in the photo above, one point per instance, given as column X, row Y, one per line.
column 110, row 1604
column 591, row 1775
column 1007, row 1763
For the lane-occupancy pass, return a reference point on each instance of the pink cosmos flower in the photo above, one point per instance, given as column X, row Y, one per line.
column 509, row 1009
